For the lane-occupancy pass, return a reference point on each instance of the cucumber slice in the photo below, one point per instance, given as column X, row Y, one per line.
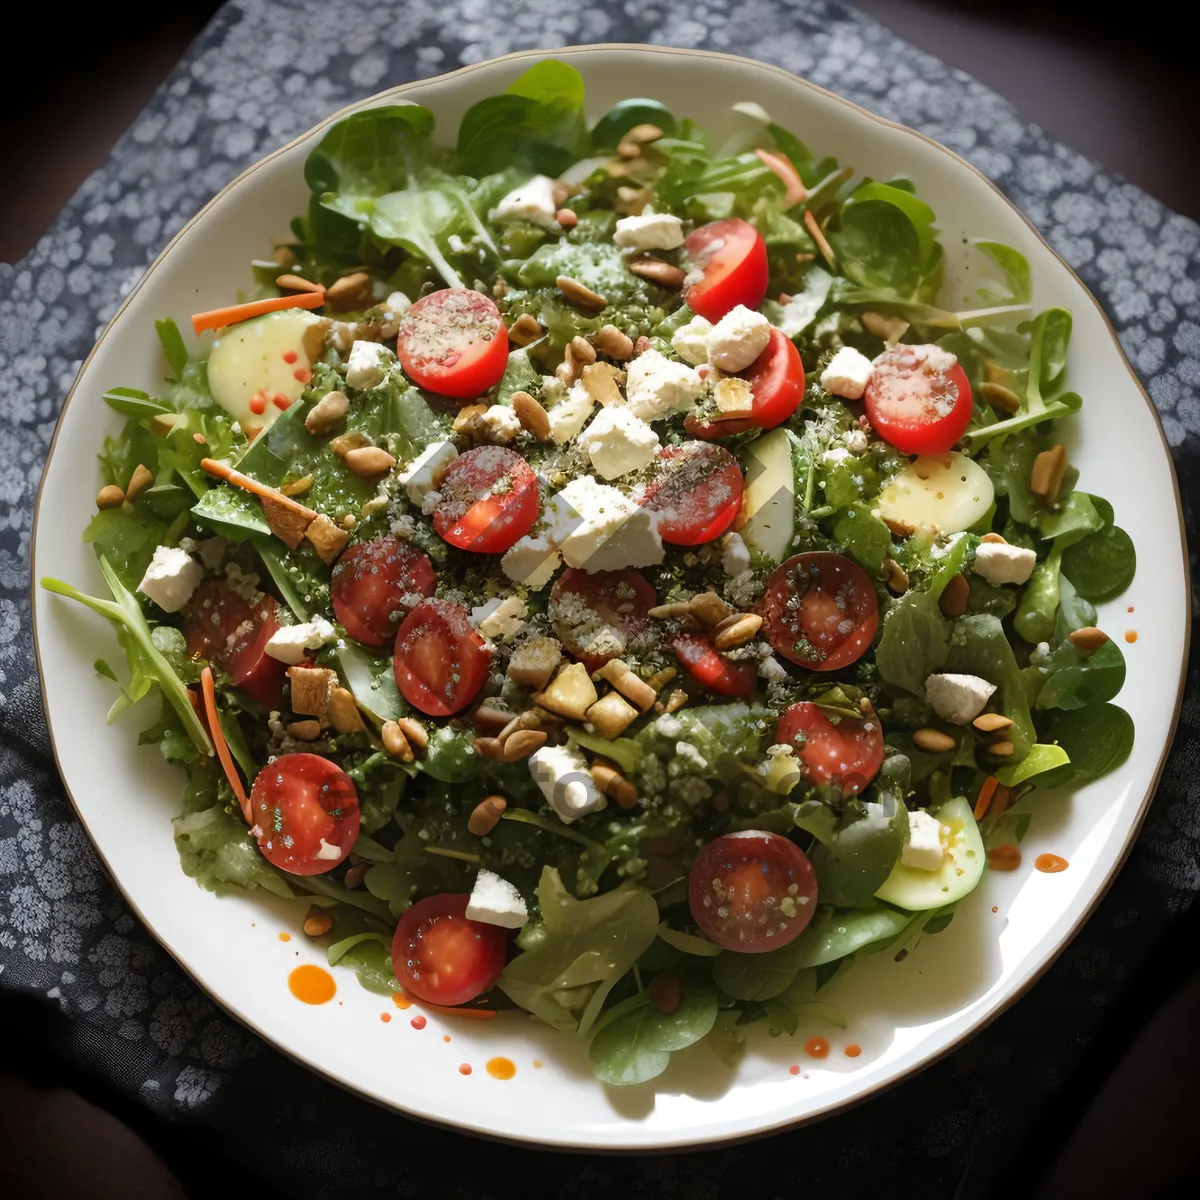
column 768, row 520
column 945, row 493
column 918, row 891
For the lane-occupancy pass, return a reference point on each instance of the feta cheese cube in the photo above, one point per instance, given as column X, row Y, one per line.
column 847, row 374
column 368, row 365
column 958, row 699
column 655, row 386
column 690, row 341
column 569, row 414
column 598, row 528
column 532, row 201
column 738, row 338
column 999, row 563
column 618, row 442
column 562, row 774
column 397, row 304
column 495, row 901
column 925, row 847
column 531, row 561
column 501, row 617
column 735, row 557
column 291, row 643
column 499, row 425
column 426, row 471
column 171, row 578
column 649, row 231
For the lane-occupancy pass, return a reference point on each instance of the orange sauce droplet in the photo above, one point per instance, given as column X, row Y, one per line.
column 1004, row 858
column 312, row 984
column 501, row 1068
column 464, row 1069
column 537, row 1062
column 418, row 1022
column 445, row 1037
column 995, row 908
column 1051, row 864
column 385, row 1017
column 1130, row 608
column 285, row 937
column 400, row 1000
column 794, row 1069
column 1131, row 636
column 290, row 356
column 816, row 1047
column 853, row 1050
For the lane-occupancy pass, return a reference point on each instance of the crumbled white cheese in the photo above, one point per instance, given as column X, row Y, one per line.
column 570, row 413
column 735, row 557
column 738, row 338
column 171, row 578
column 431, row 503
column 329, row 852
column 925, row 847
column 772, row 670
column 598, row 528
column 532, row 201
column 210, row 551
column 847, row 374
column 657, row 387
column 495, row 901
column 857, row 442
column 368, row 365
column 500, row 425
column 290, row 643
column 958, row 699
column 397, row 304
column 1000, row 563
column 618, row 442
column 426, row 471
column 649, row 231
column 562, row 774
column 690, row 341
column 531, row 561
column 500, row 618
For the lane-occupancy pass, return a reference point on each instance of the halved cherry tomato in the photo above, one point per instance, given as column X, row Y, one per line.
column 849, row 753
column 489, row 500
column 440, row 660
column 713, row 670
column 733, row 258
column 375, row 579
column 223, row 628
column 453, row 342
column 597, row 615
column 442, row 957
column 919, row 399
column 820, row 610
column 305, row 813
column 752, row 891
column 697, row 493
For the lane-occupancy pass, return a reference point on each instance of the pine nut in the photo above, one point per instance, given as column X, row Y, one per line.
column 670, row 612
column 630, row 146
column 992, row 722
column 1087, row 640
column 317, row 923
column 709, row 609
column 467, row 420
column 955, row 596
column 326, row 413
column 139, row 481
column 489, row 721
column 284, row 256
column 896, row 576
column 295, row 283
column 395, row 743
column 525, row 329
column 344, row 443
column 583, row 350
column 110, row 496
column 414, row 731
column 1002, row 749
column 356, row 874
column 676, row 700
column 298, row 486
column 485, row 816
column 522, row 744
column 933, row 741
column 369, row 461
column 665, row 274
column 1045, row 479
column 635, row 690
column 738, row 632
column 566, row 218
column 531, row 718
column 487, row 747
column 581, row 297
column 1001, row 397
column 660, row 679
column 304, row 731
column 350, row 292
column 612, row 343
column 641, row 346
column 993, row 539
column 613, row 784
column 532, row 415
column 343, row 711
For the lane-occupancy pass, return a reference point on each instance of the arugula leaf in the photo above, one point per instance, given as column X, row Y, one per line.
column 132, row 402
column 174, row 351
column 370, row 152
column 1017, row 282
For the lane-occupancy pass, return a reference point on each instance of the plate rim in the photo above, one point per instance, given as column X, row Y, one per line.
column 674, row 1143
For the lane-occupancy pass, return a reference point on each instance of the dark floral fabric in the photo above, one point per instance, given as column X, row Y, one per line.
column 263, row 72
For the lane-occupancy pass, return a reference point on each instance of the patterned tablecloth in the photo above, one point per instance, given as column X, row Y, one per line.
column 261, row 74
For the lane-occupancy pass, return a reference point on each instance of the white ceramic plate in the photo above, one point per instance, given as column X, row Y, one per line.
column 902, row 1015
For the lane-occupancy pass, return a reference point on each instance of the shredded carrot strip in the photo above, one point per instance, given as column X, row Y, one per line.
column 224, row 471
column 474, row 1014
column 990, row 784
column 215, row 318
column 782, row 166
column 818, row 236
column 1001, row 800
column 218, row 736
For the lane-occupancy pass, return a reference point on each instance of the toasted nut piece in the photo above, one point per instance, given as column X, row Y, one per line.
column 311, row 689
column 296, row 283
column 613, row 784
column 583, row 350
column 369, row 462
column 341, row 336
column 487, row 747
column 326, row 413
column 1045, row 479
column 343, row 711
column 579, row 296
column 993, row 372
column 896, row 576
column 570, row 693
column 525, row 329
column 529, row 719
column 533, row 662
column 352, row 291
column 395, row 743
column 665, row 274
column 665, row 992
column 110, row 496
column 992, row 722
column 317, row 923
column 313, row 338
column 566, row 218
column 641, row 346
column 630, row 146
column 354, row 875
column 1087, row 640
column 532, row 415
column 994, row 539
column 467, row 422
column 343, row 444
column 675, row 611
column 736, row 630
column 1001, row 397
column 414, row 731
column 954, row 597
column 348, row 521
column 485, row 816
column 709, row 609
column 326, row 538
column 617, row 672
column 139, row 481
column 490, row 721
column 631, row 201
column 284, row 256
column 933, row 741
column 288, row 525
column 602, row 381
column 888, row 329
column 304, row 731
column 612, row 343
column 1001, row 749
column 612, row 714
column 561, row 192
column 660, row 679
column 297, row 487
column 522, row 744
column 676, row 700
column 568, row 370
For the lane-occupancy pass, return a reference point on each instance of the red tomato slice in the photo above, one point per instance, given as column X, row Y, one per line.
column 820, row 610
column 489, row 500
column 454, row 343
column 598, row 615
column 442, row 957
column 440, row 660
column 697, row 493
column 919, row 399
column 849, row 753
column 713, row 670
column 305, row 813
column 733, row 259
column 752, row 891
column 375, row 579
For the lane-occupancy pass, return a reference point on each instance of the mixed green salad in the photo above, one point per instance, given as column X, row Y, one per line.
column 595, row 573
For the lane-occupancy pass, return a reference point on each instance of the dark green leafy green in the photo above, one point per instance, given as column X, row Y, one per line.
column 854, row 864
column 1075, row 679
column 915, row 642
column 1097, row 738
column 1102, row 565
column 836, row 933
column 637, row 1046
column 622, row 117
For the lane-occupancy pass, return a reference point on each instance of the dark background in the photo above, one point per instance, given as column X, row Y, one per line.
column 1118, row 84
